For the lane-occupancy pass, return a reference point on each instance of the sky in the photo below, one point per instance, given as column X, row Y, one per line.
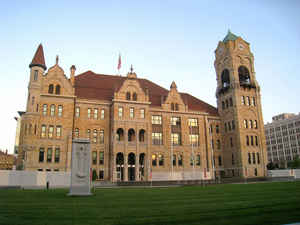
column 164, row 40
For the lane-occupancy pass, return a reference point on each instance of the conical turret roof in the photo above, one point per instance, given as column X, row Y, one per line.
column 38, row 59
column 230, row 37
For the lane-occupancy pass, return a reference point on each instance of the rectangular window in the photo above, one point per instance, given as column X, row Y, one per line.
column 101, row 174
column 131, row 113
column 142, row 113
column 94, row 157
column 157, row 139
column 35, row 77
column 233, row 124
column 252, row 143
column 88, row 133
column 45, row 109
column 43, row 134
column 253, row 101
column 95, row 114
column 176, row 139
column 256, row 140
column 160, row 160
column 248, row 101
column 101, row 158
column 89, row 113
column 231, row 142
column 101, row 136
column 217, row 127
column 174, row 160
column 41, row 155
column 77, row 112
column 57, row 155
column 156, row 119
column 180, row 160
column 258, row 159
column 52, row 110
column 50, row 131
column 175, row 121
column 194, row 139
column 218, row 144
column 198, row 160
column 95, row 136
column 247, row 140
column 58, row 131
column 253, row 158
column 249, row 158
column 120, row 112
column 49, row 155
column 102, row 114
column 154, row 162
column 60, row 110
column 76, row 132
column 37, row 107
column 243, row 100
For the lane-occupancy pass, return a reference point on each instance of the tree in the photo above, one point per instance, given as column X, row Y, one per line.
column 294, row 164
column 271, row 166
column 94, row 175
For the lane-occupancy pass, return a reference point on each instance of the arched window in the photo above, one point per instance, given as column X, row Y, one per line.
column 120, row 134
column 128, row 96
column 57, row 89
column 142, row 135
column 244, row 75
column 225, row 78
column 131, row 159
column 120, row 159
column 50, row 89
column 134, row 96
column 131, row 135
column 142, row 159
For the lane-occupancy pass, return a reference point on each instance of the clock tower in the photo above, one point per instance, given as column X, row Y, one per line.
column 239, row 107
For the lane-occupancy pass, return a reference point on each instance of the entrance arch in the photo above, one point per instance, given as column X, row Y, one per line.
column 131, row 167
column 120, row 166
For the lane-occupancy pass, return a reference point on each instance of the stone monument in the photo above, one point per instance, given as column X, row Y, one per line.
column 80, row 168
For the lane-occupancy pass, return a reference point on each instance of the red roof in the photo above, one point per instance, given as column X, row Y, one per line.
column 89, row 85
column 38, row 58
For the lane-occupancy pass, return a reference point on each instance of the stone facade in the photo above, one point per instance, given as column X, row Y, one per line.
column 7, row 161
column 139, row 130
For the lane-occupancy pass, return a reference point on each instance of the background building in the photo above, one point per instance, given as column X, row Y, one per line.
column 7, row 161
column 283, row 137
column 141, row 131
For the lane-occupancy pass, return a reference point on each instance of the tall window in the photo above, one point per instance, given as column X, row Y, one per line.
column 156, row 119
column 101, row 136
column 95, row 114
column 94, row 157
column 174, row 160
column 95, row 136
column 258, row 159
column 231, row 142
column 50, row 131
column 101, row 158
column 253, row 101
column 154, row 160
column 102, row 114
column 60, row 110
column 217, row 128
column 142, row 113
column 253, row 158
column 249, row 158
column 41, row 155
column 223, row 105
column 57, row 155
column 50, row 89
column 52, row 110
column 57, row 89
column 256, row 140
column 180, row 160
column 76, row 132
column 88, row 133
column 176, row 139
column 247, row 140
column 255, row 124
column 128, row 97
column 32, row 100
column 35, row 77
column 243, row 100
column 77, row 112
column 251, row 124
column 245, row 123
column 131, row 112
column 175, row 121
column 89, row 113
column 248, row 100
column 220, row 160
column 120, row 112
column 134, row 96
column 101, row 174
column 233, row 124
column 230, row 102
column 45, row 109
column 160, row 160
column 43, row 133
column 157, row 139
column 194, row 139
column 58, row 131
column 252, row 143
column 49, row 155
column 218, row 144
column 198, row 160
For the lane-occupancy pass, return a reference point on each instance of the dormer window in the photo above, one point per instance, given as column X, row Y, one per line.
column 50, row 89
column 57, row 89
column 225, row 78
column 128, row 96
column 244, row 75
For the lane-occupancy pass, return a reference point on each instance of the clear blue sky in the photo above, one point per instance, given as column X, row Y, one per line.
column 164, row 40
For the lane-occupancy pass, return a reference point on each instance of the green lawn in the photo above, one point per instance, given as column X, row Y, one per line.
column 259, row 203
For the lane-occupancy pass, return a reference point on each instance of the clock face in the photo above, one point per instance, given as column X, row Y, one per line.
column 241, row 47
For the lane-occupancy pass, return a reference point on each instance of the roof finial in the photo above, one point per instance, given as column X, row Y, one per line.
column 56, row 59
column 131, row 69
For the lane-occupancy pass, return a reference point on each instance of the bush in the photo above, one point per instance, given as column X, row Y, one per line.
column 94, row 175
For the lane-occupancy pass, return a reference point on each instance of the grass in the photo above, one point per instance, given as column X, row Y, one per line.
column 258, row 203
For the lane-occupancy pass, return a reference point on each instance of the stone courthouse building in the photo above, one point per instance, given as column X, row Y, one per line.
column 141, row 131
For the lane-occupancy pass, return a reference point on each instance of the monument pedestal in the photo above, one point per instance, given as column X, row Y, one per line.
column 80, row 168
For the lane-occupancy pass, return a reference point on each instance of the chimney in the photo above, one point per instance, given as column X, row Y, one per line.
column 73, row 69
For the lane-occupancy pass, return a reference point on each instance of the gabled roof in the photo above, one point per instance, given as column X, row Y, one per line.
column 230, row 37
column 90, row 85
column 38, row 59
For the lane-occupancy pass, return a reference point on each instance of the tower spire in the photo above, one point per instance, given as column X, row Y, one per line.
column 38, row 58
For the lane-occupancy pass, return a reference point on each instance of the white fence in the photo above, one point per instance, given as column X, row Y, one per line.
column 187, row 175
column 34, row 178
column 285, row 173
